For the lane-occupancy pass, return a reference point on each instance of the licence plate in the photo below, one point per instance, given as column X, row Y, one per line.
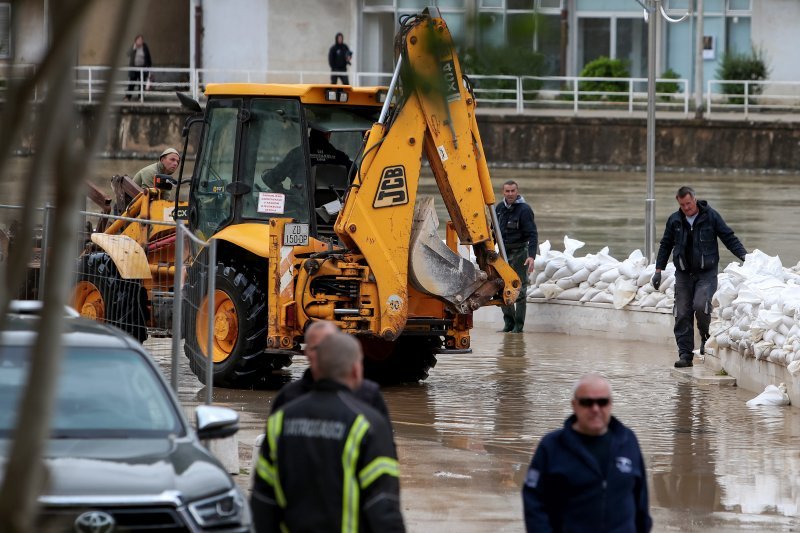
column 295, row 235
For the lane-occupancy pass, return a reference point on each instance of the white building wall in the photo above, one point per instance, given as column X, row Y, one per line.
column 235, row 37
column 775, row 31
column 301, row 32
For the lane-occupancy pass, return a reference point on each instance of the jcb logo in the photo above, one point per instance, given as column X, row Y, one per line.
column 392, row 189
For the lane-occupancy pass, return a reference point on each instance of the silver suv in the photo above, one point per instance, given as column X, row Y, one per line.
column 121, row 455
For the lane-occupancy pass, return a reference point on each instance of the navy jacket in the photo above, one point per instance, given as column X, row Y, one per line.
column 705, row 251
column 565, row 490
column 517, row 225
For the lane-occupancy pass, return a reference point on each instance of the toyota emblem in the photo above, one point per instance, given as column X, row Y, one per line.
column 94, row 522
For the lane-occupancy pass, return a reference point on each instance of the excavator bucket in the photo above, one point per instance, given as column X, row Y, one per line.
column 436, row 269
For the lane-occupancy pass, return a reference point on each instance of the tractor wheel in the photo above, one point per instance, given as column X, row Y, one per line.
column 406, row 360
column 240, row 326
column 101, row 294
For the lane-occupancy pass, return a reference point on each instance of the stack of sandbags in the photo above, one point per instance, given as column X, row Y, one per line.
column 758, row 309
column 598, row 278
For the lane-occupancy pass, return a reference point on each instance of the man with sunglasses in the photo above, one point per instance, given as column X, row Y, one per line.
column 589, row 475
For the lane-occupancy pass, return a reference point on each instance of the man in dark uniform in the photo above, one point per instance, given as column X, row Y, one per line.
column 328, row 462
column 691, row 235
column 369, row 392
column 521, row 240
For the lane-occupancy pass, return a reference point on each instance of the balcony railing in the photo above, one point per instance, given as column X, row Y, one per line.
column 510, row 94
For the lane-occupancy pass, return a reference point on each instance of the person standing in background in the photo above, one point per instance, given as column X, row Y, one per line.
column 139, row 59
column 518, row 229
column 339, row 57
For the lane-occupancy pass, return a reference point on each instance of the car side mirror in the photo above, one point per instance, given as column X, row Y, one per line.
column 214, row 422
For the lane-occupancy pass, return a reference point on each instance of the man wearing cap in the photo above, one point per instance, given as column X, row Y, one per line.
column 167, row 164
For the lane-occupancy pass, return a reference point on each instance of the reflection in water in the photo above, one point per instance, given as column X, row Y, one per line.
column 712, row 462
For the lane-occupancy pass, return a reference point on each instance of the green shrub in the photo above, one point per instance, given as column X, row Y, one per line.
column 499, row 61
column 752, row 66
column 668, row 87
column 603, row 67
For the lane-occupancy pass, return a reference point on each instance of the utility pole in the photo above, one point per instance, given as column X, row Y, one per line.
column 698, row 61
column 652, row 11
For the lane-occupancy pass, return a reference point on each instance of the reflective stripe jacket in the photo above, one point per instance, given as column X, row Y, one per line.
column 327, row 464
column 565, row 489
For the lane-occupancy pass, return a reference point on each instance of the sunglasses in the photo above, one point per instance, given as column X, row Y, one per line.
column 588, row 402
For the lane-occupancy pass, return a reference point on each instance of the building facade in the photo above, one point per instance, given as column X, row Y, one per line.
column 284, row 36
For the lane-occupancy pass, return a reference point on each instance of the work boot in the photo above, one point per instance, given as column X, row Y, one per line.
column 508, row 319
column 519, row 316
column 517, row 329
column 683, row 362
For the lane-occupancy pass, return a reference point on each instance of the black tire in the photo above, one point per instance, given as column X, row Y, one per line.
column 406, row 360
column 101, row 294
column 240, row 355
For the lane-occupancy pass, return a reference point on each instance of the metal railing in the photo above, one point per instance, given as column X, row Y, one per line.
column 517, row 94
column 747, row 95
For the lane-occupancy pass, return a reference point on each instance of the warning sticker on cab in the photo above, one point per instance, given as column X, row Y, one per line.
column 271, row 202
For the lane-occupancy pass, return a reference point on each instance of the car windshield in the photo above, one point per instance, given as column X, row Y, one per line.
column 102, row 393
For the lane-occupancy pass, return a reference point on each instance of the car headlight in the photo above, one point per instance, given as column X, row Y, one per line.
column 224, row 509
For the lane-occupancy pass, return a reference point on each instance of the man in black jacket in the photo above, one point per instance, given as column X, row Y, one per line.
column 339, row 57
column 589, row 475
column 328, row 462
column 521, row 239
column 368, row 392
column 691, row 236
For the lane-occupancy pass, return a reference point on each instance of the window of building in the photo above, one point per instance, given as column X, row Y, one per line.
column 615, row 37
column 5, row 30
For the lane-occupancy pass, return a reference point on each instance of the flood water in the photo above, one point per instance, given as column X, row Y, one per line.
column 465, row 435
column 599, row 208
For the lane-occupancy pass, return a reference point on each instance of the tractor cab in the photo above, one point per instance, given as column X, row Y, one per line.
column 277, row 151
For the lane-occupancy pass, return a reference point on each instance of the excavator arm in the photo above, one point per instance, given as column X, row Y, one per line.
column 434, row 116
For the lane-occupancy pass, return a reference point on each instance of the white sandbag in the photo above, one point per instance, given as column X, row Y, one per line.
column 563, row 272
column 762, row 349
column 536, row 292
column 584, row 285
column 610, row 275
column 772, row 395
column 598, row 272
column 623, row 291
column 794, row 367
column 570, row 245
column 646, row 274
column 603, row 297
column 554, row 265
column 566, row 283
column 581, row 275
column 550, row 290
column 652, row 299
column 723, row 340
column 602, row 285
column 667, row 281
column 589, row 294
column 544, row 247
column 576, row 263
column 541, row 278
column 574, row 294
column 666, row 303
column 726, row 313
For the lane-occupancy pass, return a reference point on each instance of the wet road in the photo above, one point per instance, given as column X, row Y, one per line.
column 466, row 434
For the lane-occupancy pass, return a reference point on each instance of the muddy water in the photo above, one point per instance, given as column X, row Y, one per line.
column 599, row 208
column 466, row 434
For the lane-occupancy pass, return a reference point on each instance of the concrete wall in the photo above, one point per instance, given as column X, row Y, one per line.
column 621, row 143
column 165, row 30
column 779, row 40
column 563, row 142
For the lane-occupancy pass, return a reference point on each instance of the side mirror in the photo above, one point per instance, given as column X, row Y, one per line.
column 189, row 103
column 215, row 422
